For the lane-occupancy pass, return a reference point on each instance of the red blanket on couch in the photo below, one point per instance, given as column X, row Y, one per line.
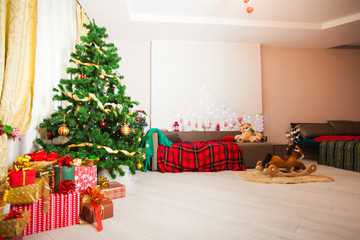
column 200, row 157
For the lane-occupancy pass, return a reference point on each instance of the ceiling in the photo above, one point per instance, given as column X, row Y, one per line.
column 287, row 23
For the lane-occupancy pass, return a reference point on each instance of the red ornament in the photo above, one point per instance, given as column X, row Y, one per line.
column 137, row 119
column 102, row 124
column 249, row 9
column 246, row 1
column 82, row 76
column 50, row 135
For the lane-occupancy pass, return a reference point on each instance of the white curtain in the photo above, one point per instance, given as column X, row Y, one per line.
column 56, row 38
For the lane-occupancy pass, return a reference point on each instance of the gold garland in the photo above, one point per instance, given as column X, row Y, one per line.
column 97, row 66
column 91, row 96
column 98, row 48
column 109, row 150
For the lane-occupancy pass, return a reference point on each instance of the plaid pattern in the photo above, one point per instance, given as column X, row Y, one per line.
column 115, row 190
column 200, row 157
column 340, row 154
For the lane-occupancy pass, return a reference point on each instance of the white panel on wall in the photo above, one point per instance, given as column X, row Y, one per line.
column 205, row 82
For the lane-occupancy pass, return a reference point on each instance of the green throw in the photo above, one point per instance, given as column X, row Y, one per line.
column 149, row 151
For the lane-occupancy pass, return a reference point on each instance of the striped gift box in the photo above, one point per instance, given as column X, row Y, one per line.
column 115, row 190
column 63, row 211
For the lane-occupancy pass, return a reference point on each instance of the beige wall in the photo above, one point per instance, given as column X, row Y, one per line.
column 308, row 85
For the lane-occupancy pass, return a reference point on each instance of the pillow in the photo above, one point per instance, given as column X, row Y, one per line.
column 174, row 138
column 313, row 130
column 346, row 127
column 228, row 138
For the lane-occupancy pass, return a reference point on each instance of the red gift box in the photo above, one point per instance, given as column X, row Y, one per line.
column 21, row 178
column 115, row 190
column 84, row 177
column 63, row 211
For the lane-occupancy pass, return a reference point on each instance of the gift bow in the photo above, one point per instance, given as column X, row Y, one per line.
column 103, row 182
column 42, row 156
column 93, row 157
column 93, row 195
column 22, row 163
column 13, row 214
column 66, row 186
column 65, row 161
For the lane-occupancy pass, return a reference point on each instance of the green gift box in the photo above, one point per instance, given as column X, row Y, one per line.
column 61, row 173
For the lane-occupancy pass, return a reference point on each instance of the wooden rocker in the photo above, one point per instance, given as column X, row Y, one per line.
column 290, row 163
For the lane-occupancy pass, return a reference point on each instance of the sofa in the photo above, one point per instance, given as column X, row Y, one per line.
column 333, row 143
column 252, row 152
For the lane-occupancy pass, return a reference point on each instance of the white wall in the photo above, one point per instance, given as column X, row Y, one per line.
column 230, row 71
column 135, row 67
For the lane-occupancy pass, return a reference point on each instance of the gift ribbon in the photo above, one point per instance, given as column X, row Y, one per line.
column 103, row 182
column 13, row 214
column 66, row 186
column 24, row 176
column 92, row 195
column 22, row 163
column 65, row 161
column 42, row 156
column 109, row 150
column 15, row 133
column 97, row 216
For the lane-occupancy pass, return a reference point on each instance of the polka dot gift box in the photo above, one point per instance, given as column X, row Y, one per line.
column 12, row 226
column 85, row 176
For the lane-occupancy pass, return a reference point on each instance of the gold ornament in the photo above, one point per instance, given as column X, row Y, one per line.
column 125, row 130
column 63, row 130
column 102, row 76
column 147, row 145
column 139, row 165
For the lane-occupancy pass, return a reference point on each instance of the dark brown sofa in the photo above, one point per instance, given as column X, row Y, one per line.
column 252, row 152
column 336, row 153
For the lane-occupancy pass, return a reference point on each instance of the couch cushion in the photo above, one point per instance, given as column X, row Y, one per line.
column 174, row 138
column 346, row 127
column 313, row 130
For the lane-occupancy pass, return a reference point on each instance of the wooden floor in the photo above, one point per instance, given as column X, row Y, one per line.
column 223, row 206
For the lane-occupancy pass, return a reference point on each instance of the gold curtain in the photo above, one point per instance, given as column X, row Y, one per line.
column 17, row 67
column 81, row 18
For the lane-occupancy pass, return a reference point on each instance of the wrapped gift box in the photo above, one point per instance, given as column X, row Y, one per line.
column 62, row 173
column 106, row 211
column 115, row 190
column 85, row 176
column 63, row 211
column 13, row 227
column 20, row 237
column 25, row 194
column 21, row 178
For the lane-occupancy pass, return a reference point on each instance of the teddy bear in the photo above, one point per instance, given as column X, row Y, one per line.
column 248, row 134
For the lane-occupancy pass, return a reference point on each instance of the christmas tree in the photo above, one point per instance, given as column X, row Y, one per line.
column 95, row 114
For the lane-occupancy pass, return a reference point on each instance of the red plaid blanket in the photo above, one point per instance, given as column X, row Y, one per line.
column 200, row 157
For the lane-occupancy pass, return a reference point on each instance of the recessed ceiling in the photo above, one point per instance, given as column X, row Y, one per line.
column 295, row 23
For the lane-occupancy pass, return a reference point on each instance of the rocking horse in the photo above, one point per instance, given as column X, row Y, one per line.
column 293, row 167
